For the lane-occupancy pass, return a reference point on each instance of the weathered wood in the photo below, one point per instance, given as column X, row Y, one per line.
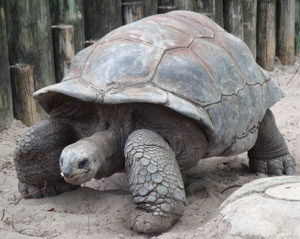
column 132, row 11
column 297, row 27
column 211, row 8
column 22, row 90
column 249, row 24
column 64, row 51
column 219, row 12
column 101, row 17
column 6, row 108
column 30, row 38
column 185, row 5
column 69, row 12
column 233, row 17
column 149, row 7
column 266, row 33
column 166, row 6
column 286, row 32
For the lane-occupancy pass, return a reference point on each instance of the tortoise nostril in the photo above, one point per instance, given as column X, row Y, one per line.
column 67, row 173
column 82, row 163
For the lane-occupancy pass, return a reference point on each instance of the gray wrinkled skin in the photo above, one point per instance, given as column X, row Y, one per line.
column 153, row 97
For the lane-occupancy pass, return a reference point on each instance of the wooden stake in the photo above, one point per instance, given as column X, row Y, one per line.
column 101, row 17
column 212, row 9
column 286, row 32
column 266, row 37
column 233, row 17
column 6, row 108
column 63, row 41
column 30, row 38
column 249, row 24
column 149, row 7
column 69, row 12
column 22, row 89
column 297, row 27
column 184, row 5
column 132, row 11
column 166, row 6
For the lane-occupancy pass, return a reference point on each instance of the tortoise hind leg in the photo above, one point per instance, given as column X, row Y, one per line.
column 36, row 159
column 270, row 153
column 155, row 182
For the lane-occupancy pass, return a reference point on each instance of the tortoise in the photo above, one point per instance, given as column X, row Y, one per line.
column 153, row 98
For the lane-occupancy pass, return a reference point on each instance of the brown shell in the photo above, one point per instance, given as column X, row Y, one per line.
column 182, row 60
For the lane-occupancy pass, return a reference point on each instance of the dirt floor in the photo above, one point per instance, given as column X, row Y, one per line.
column 100, row 208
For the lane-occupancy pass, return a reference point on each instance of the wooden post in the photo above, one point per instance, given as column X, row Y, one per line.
column 233, row 17
column 249, row 24
column 6, row 108
column 30, row 38
column 297, row 27
column 149, row 7
column 212, row 9
column 64, row 51
column 101, row 17
column 166, row 6
column 69, row 12
column 286, row 32
column 185, row 5
column 22, row 89
column 266, row 37
column 131, row 11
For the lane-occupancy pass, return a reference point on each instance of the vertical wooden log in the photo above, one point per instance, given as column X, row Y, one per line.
column 286, row 32
column 166, row 6
column 233, row 17
column 211, row 8
column 297, row 27
column 219, row 12
column 6, row 108
column 132, row 11
column 101, row 17
column 30, row 38
column 266, row 33
column 69, row 12
column 185, row 5
column 64, row 51
column 249, row 24
column 149, row 7
column 22, row 89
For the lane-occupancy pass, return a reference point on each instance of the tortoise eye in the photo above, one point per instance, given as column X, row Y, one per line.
column 82, row 163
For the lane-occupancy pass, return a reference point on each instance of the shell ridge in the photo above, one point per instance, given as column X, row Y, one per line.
column 211, row 74
column 162, row 56
column 231, row 57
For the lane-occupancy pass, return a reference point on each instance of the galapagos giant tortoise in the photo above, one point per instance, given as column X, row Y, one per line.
column 153, row 97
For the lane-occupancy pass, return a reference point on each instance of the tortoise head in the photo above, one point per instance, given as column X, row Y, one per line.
column 96, row 156
column 81, row 161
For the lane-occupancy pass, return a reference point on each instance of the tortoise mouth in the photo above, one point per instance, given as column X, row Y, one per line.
column 78, row 178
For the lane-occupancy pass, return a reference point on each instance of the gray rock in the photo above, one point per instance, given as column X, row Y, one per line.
column 266, row 208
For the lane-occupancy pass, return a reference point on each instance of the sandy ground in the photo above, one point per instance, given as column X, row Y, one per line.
column 100, row 208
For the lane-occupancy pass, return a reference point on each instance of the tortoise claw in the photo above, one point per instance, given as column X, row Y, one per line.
column 278, row 166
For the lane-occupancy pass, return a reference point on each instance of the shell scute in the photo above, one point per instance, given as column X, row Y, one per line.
column 112, row 67
column 225, row 73
column 197, row 86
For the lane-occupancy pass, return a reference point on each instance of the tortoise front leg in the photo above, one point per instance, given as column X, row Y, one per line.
column 36, row 159
column 270, row 153
column 155, row 182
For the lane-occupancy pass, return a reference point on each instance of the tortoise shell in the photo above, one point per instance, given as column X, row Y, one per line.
column 184, row 61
